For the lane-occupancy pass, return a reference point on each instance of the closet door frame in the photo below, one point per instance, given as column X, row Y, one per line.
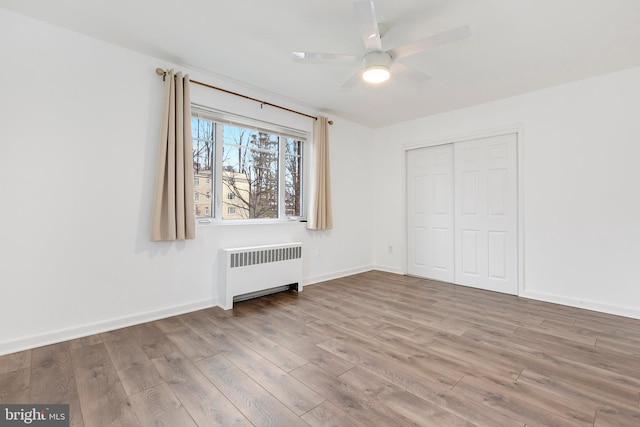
column 515, row 129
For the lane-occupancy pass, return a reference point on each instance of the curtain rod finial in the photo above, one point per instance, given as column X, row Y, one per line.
column 160, row 72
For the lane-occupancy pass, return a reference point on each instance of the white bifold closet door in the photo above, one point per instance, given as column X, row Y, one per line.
column 462, row 213
column 430, row 212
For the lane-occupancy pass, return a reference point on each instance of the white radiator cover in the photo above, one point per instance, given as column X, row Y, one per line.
column 258, row 270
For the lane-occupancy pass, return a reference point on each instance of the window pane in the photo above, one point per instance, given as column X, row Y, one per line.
column 249, row 173
column 203, row 137
column 293, row 178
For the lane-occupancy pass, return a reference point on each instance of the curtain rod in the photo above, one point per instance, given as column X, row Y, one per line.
column 163, row 73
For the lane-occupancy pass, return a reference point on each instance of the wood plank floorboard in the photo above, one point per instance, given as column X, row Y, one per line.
column 256, row 403
column 15, row 361
column 14, row 386
column 204, row 402
column 277, row 354
column 134, row 368
column 53, row 380
column 102, row 396
column 158, row 406
column 444, row 399
column 366, row 411
column 328, row 415
column 371, row 349
column 152, row 340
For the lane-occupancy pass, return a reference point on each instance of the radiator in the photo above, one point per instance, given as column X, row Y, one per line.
column 255, row 271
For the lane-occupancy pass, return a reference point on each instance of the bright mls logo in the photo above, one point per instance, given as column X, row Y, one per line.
column 34, row 415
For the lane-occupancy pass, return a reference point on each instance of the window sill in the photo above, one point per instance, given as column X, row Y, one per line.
column 209, row 222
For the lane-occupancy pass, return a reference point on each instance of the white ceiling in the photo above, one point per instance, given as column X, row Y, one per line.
column 516, row 45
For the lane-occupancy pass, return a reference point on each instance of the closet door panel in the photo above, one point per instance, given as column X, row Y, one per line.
column 430, row 212
column 486, row 207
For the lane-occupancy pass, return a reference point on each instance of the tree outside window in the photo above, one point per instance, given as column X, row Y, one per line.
column 249, row 163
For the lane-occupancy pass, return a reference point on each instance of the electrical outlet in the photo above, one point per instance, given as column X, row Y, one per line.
column 390, row 249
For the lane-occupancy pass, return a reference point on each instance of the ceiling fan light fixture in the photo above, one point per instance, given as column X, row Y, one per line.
column 376, row 74
column 376, row 67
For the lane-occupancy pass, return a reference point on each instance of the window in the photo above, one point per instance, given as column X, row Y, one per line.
column 293, row 175
column 259, row 170
column 202, row 139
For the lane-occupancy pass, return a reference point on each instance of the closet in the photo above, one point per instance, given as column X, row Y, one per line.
column 462, row 213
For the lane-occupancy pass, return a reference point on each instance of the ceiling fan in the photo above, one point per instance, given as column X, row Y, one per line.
column 378, row 64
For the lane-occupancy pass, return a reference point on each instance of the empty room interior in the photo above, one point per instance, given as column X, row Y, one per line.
column 325, row 213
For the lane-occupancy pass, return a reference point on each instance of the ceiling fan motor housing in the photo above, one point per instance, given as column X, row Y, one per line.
column 377, row 59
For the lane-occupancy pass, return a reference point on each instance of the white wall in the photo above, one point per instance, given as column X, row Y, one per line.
column 79, row 125
column 580, row 180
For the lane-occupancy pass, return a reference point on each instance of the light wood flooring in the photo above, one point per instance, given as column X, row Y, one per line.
column 373, row 349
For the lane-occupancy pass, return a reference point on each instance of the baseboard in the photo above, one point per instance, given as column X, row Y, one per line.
column 388, row 269
column 336, row 275
column 633, row 313
column 60, row 335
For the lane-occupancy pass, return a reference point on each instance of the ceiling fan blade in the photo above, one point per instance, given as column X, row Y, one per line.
column 430, row 42
column 408, row 73
column 352, row 80
column 315, row 56
column 368, row 24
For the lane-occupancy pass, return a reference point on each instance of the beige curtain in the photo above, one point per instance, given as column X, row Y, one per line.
column 320, row 215
column 173, row 216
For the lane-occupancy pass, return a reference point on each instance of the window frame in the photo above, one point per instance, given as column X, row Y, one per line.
column 217, row 185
